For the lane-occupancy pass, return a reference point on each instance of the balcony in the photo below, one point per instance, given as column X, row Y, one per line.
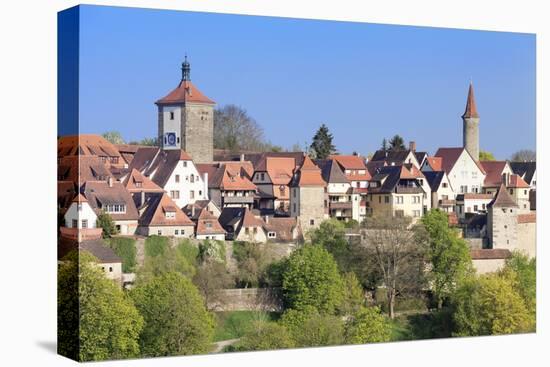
column 340, row 205
column 238, row 199
column 447, row 202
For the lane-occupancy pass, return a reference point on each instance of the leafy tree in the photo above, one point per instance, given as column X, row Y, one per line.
column 252, row 261
column 368, row 325
column 312, row 279
column 322, row 146
column 235, row 129
column 331, row 235
column 126, row 249
column 161, row 258
column 212, row 250
column 354, row 295
column 526, row 274
column 489, row 305
column 448, row 254
column 105, row 222
column 176, row 321
column 265, row 336
column 486, row 156
column 210, row 277
column 397, row 143
column 309, row 328
column 96, row 320
column 524, row 155
column 155, row 245
column 113, row 137
column 398, row 251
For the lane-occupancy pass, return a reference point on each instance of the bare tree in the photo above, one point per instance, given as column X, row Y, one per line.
column 397, row 248
column 524, row 155
column 235, row 129
column 211, row 277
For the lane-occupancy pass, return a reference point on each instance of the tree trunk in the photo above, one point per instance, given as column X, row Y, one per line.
column 439, row 303
column 391, row 303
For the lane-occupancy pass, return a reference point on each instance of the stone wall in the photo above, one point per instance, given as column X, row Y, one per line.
column 311, row 207
column 198, row 132
column 502, row 228
column 483, row 266
column 471, row 137
column 249, row 299
column 527, row 238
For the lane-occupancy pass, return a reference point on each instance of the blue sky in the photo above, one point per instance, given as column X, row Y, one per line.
column 365, row 81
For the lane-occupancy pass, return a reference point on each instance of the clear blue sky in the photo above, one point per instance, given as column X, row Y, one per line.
column 365, row 81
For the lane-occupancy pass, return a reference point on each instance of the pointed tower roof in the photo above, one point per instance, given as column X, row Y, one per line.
column 185, row 91
column 308, row 175
column 503, row 199
column 471, row 109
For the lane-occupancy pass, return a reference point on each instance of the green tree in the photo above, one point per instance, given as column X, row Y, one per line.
column 126, row 249
column 322, row 146
column 189, row 251
column 354, row 295
column 397, row 143
column 526, row 276
column 265, row 336
column 252, row 261
column 309, row 328
column 96, row 320
column 311, row 278
column 331, row 235
column 448, row 254
column 486, row 156
column 489, row 305
column 368, row 325
column 113, row 137
column 105, row 222
column 160, row 258
column 176, row 321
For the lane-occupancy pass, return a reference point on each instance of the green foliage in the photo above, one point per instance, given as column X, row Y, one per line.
column 113, row 137
column 209, row 278
column 105, row 222
column 161, row 258
column 189, row 251
column 265, row 336
column 525, row 270
column 96, row 321
column 309, row 328
column 449, row 255
column 311, row 278
column 252, row 261
column 176, row 321
column 486, row 156
column 354, row 295
column 352, row 224
column 331, row 235
column 274, row 273
column 235, row 324
column 155, row 245
column 126, row 249
column 145, row 141
column 212, row 250
column 368, row 325
column 397, row 143
column 321, row 146
column 489, row 305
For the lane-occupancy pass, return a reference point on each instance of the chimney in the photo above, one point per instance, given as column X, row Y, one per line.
column 205, row 180
column 110, row 181
column 142, row 198
column 192, row 210
column 412, row 146
column 266, row 219
column 242, row 157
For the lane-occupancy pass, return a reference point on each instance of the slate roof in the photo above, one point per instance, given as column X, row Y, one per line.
column 434, row 179
column 449, row 156
column 156, row 207
column 331, row 171
column 395, row 157
column 158, row 164
column 525, row 170
column 97, row 248
column 185, row 92
column 389, row 177
column 193, row 210
column 503, row 199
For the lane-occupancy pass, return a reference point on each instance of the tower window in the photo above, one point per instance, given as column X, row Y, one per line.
column 171, row 115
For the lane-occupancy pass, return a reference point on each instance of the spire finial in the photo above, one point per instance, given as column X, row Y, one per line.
column 185, row 70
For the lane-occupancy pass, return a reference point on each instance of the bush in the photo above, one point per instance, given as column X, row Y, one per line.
column 368, row 325
column 126, row 249
column 309, row 328
column 105, row 222
column 189, row 251
column 212, row 250
column 252, row 261
column 265, row 336
column 155, row 245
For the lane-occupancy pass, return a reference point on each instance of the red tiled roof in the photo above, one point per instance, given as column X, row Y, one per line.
column 309, row 174
column 435, row 163
column 185, row 92
column 249, row 220
column 527, row 218
column 409, row 171
column 518, row 182
column 137, row 182
column 471, row 110
column 478, row 196
column 155, row 214
column 280, row 169
column 494, row 170
column 490, row 254
column 79, row 199
column 350, row 162
column 449, row 157
column 207, row 223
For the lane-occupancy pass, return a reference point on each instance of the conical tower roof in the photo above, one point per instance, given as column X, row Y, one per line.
column 471, row 109
column 503, row 199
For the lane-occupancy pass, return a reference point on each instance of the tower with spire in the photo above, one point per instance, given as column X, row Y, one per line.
column 186, row 119
column 470, row 121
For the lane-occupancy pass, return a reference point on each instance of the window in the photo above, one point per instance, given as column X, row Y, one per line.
column 139, row 184
column 177, row 178
column 110, row 269
column 84, row 223
column 475, row 208
column 200, row 192
column 175, row 194
column 262, row 176
column 294, row 193
column 171, row 115
column 511, row 191
column 271, row 235
column 311, row 222
column 380, row 200
column 185, row 163
column 75, row 223
column 416, row 213
column 294, row 207
column 416, row 199
column 192, row 178
column 159, row 232
column 524, row 192
column 399, row 199
column 192, row 194
column 79, row 206
column 444, row 185
column 208, row 224
column 176, row 232
column 386, row 199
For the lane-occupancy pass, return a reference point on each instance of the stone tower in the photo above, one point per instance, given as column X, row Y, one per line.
column 186, row 119
column 502, row 220
column 470, row 119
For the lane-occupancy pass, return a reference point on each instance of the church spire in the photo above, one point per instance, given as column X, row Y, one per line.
column 185, row 70
column 471, row 110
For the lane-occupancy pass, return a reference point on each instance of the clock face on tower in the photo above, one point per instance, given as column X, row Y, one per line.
column 170, row 139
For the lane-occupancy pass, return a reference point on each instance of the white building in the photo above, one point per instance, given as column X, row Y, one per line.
column 464, row 173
